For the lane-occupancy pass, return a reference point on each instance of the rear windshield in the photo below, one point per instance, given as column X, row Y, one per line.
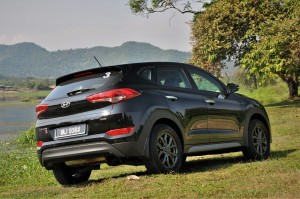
column 86, row 83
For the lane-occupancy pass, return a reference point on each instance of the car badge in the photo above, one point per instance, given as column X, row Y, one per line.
column 65, row 104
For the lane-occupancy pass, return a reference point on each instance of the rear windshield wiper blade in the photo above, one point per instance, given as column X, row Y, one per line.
column 76, row 92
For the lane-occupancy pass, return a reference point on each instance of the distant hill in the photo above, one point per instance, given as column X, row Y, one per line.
column 31, row 60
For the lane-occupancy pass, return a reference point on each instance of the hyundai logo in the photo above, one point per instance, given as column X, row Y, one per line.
column 65, row 104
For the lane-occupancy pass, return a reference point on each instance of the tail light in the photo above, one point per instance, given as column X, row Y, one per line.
column 41, row 108
column 39, row 144
column 113, row 96
column 121, row 131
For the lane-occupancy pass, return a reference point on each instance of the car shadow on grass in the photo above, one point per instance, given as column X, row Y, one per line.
column 220, row 162
column 120, row 176
column 281, row 154
column 212, row 163
column 216, row 162
column 286, row 104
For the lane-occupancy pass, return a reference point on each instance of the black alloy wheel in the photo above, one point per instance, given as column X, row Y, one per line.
column 258, row 141
column 165, row 150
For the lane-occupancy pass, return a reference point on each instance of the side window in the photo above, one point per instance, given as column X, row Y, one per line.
column 148, row 74
column 172, row 77
column 203, row 81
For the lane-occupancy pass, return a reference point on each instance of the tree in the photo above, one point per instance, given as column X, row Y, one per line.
column 42, row 84
column 278, row 50
column 151, row 6
column 260, row 36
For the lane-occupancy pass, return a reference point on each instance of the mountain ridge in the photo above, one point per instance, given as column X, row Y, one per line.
column 28, row 59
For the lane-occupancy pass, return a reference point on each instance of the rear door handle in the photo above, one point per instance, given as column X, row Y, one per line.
column 172, row 98
column 209, row 101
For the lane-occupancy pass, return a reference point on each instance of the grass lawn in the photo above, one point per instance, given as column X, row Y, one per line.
column 217, row 176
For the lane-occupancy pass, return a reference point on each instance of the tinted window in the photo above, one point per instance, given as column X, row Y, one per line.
column 93, row 82
column 147, row 74
column 203, row 81
column 172, row 77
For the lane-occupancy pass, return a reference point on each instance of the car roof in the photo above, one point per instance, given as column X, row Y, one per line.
column 112, row 67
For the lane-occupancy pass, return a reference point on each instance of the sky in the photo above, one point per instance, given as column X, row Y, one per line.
column 71, row 24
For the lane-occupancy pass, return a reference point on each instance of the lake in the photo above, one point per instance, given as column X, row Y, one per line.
column 15, row 117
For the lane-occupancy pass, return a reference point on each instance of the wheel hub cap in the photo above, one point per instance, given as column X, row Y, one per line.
column 167, row 150
column 259, row 140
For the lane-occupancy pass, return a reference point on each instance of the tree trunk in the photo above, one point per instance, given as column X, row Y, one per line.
column 292, row 82
column 255, row 82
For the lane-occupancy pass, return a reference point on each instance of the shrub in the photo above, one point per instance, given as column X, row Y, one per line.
column 27, row 137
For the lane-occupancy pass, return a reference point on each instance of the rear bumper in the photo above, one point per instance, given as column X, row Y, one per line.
column 48, row 157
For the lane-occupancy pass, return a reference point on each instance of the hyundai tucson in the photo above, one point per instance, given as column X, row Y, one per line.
column 153, row 114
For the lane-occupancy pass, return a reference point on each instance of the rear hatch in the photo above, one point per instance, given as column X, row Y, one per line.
column 72, row 94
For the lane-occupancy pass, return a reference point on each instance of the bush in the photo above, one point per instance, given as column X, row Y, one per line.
column 27, row 137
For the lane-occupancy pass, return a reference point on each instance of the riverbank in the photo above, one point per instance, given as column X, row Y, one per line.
column 23, row 95
column 16, row 117
column 17, row 111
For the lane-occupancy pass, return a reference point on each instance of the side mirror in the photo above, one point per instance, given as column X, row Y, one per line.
column 232, row 88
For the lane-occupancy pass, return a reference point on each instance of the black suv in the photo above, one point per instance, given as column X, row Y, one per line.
column 154, row 114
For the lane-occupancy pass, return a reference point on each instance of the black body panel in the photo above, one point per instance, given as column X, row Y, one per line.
column 206, row 121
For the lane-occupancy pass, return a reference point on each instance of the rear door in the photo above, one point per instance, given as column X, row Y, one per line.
column 69, row 110
column 189, row 108
column 70, row 97
column 224, row 111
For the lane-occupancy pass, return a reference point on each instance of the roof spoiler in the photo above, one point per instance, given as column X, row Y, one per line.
column 85, row 73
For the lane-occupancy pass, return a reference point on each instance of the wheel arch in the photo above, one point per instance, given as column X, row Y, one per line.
column 259, row 115
column 262, row 119
column 160, row 117
column 173, row 125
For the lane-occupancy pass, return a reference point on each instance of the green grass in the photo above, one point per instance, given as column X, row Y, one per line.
column 267, row 95
column 27, row 138
column 215, row 176
column 36, row 94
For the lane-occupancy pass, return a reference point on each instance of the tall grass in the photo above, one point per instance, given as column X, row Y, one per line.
column 267, row 94
column 20, row 167
column 27, row 138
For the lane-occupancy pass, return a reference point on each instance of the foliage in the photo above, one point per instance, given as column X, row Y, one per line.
column 29, row 60
column 29, row 82
column 224, row 31
column 261, row 36
column 42, row 84
column 278, row 50
column 3, row 77
column 24, row 96
column 150, row 6
column 27, row 138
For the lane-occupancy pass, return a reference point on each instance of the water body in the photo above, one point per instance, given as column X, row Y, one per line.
column 15, row 117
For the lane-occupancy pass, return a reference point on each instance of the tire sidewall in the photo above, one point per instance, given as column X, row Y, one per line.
column 253, row 153
column 157, row 132
column 64, row 175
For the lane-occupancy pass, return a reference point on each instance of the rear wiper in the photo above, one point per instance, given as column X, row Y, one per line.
column 76, row 92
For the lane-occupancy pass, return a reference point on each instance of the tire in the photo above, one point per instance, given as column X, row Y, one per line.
column 258, row 141
column 69, row 176
column 165, row 150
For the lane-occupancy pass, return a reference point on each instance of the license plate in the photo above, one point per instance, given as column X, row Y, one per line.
column 70, row 131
